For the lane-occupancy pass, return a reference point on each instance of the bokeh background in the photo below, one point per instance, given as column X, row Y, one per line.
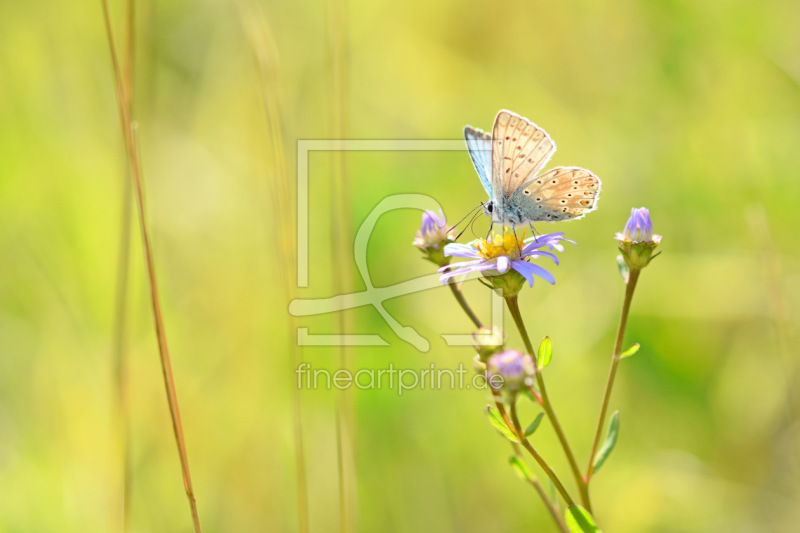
column 689, row 108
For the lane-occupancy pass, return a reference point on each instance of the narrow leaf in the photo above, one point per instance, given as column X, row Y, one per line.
column 630, row 351
column 580, row 521
column 609, row 443
column 521, row 469
column 534, row 424
column 545, row 353
column 500, row 424
column 624, row 271
column 551, row 490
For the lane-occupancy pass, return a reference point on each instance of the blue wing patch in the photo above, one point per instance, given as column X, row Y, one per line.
column 479, row 146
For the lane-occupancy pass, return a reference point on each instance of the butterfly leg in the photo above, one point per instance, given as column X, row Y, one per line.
column 514, row 232
column 491, row 225
column 533, row 231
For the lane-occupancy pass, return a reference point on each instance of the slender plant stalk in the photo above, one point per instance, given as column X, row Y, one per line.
column 341, row 230
column 120, row 351
column 513, row 307
column 537, row 457
column 264, row 48
column 623, row 322
column 463, row 303
column 552, row 507
column 123, row 279
column 166, row 366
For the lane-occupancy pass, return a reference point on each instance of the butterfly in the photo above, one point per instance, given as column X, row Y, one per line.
column 508, row 162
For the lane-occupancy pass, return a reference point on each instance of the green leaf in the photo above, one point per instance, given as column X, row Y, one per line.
column 551, row 490
column 630, row 351
column 580, row 521
column 609, row 443
column 624, row 271
column 500, row 424
column 521, row 469
column 534, row 424
column 545, row 353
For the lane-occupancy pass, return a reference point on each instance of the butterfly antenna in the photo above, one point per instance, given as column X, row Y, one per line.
column 471, row 211
column 469, row 224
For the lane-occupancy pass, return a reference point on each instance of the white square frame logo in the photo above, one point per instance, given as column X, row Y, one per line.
column 374, row 296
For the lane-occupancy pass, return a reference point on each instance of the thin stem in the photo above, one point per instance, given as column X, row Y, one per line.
column 166, row 366
column 623, row 322
column 464, row 305
column 552, row 507
column 538, row 458
column 262, row 42
column 513, row 307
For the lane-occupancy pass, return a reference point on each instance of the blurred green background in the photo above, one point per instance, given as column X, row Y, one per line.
column 689, row 108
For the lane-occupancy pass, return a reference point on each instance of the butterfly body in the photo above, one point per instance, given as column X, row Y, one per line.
column 508, row 162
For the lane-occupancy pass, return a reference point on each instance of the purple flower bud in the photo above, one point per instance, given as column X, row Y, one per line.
column 637, row 241
column 431, row 237
column 434, row 231
column 514, row 367
column 639, row 228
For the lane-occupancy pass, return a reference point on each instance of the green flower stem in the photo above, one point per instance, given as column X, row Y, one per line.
column 623, row 322
column 552, row 506
column 555, row 512
column 513, row 307
column 537, row 457
column 463, row 303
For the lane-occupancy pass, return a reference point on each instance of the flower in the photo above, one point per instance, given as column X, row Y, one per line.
column 637, row 242
column 514, row 367
column 431, row 235
column 639, row 228
column 504, row 260
column 488, row 341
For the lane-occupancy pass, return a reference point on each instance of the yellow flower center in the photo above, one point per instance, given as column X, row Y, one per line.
column 506, row 244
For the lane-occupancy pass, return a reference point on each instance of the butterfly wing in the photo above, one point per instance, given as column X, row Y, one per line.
column 521, row 150
column 559, row 194
column 479, row 146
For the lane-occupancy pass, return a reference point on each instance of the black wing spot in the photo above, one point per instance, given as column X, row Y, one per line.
column 563, row 201
column 539, row 199
column 527, row 192
column 554, row 182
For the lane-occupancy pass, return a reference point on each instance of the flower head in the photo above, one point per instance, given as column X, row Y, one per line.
column 514, row 367
column 639, row 228
column 430, row 237
column 504, row 259
column 488, row 341
column 637, row 241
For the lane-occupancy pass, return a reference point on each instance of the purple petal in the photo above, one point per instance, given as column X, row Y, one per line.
column 460, row 250
column 503, row 264
column 546, row 254
column 487, row 265
column 528, row 270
